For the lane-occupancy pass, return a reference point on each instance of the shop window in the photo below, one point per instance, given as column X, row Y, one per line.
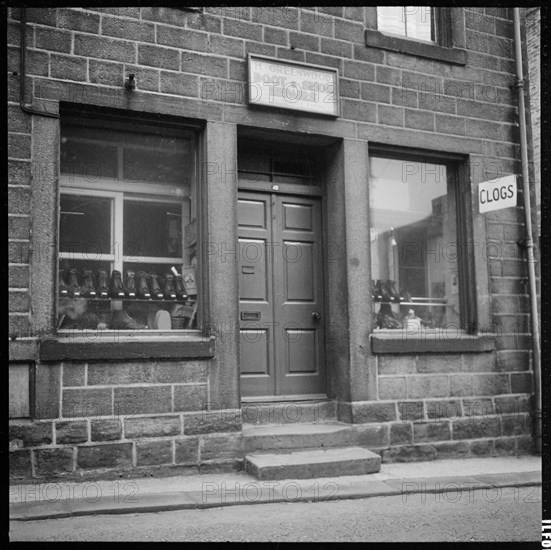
column 414, row 244
column 418, row 22
column 127, row 227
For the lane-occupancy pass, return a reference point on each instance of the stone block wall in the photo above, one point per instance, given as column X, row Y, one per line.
column 96, row 417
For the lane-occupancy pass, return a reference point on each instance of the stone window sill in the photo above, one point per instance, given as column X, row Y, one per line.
column 121, row 346
column 430, row 342
column 376, row 39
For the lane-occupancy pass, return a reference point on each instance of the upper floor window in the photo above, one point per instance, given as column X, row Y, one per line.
column 418, row 22
column 127, row 226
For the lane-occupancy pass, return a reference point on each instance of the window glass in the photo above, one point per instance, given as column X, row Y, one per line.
column 413, row 245
column 128, row 232
column 411, row 21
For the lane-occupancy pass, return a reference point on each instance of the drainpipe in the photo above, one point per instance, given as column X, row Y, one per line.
column 22, row 72
column 529, row 243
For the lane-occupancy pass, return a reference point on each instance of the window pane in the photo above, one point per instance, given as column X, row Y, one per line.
column 391, row 19
column 413, row 243
column 88, row 158
column 85, row 225
column 152, row 229
column 157, row 159
column 418, row 22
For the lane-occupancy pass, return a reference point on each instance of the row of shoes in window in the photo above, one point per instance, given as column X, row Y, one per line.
column 385, row 291
column 140, row 285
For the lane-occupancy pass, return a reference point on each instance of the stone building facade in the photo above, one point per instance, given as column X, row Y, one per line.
column 85, row 401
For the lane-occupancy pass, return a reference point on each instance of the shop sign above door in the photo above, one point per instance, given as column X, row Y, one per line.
column 497, row 194
column 296, row 86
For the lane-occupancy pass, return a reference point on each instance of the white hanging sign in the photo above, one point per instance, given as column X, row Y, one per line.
column 497, row 194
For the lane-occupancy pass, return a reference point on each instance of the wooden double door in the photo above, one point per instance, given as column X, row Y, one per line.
column 281, row 295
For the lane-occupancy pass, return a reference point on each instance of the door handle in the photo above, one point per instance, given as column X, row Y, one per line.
column 316, row 316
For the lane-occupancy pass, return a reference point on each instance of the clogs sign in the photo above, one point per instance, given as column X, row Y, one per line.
column 295, row 86
column 497, row 194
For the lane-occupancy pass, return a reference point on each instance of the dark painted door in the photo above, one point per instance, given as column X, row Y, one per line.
column 281, row 295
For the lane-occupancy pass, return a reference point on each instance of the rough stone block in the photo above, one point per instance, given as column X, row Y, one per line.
column 74, row 374
column 20, row 464
column 411, row 410
column 478, row 406
column 221, row 447
column 431, row 431
column 53, row 40
column 409, row 453
column 32, row 434
column 401, row 433
column 71, row 432
column 160, row 58
column 149, row 453
column 521, row 382
column 87, row 403
column 452, row 449
column 78, row 20
column 206, row 422
column 157, row 426
column 420, row 387
column 106, row 430
column 371, row 436
column 104, row 48
column 179, row 84
column 505, row 446
column 187, row 450
column 491, row 384
column 190, row 398
column 141, row 400
column 109, row 455
column 461, row 384
column 482, row 448
column 476, row 428
column 516, row 424
column 512, row 404
column 145, row 372
column 438, row 364
column 396, row 364
column 19, row 202
column 364, row 413
column 443, row 410
column 53, row 461
column 484, row 362
column 392, row 387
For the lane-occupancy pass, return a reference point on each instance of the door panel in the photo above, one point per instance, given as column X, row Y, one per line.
column 281, row 295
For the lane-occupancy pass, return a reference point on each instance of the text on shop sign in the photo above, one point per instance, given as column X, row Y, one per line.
column 293, row 86
column 497, row 194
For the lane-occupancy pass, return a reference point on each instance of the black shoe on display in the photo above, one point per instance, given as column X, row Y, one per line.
column 102, row 288
column 382, row 291
column 169, row 290
column 155, row 287
column 72, row 284
column 394, row 295
column 142, row 288
column 116, row 288
column 130, row 284
column 374, row 294
column 180, row 290
column 88, row 285
column 63, row 290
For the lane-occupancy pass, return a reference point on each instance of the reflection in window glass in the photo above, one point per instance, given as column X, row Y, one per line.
column 152, row 229
column 85, row 225
column 413, row 245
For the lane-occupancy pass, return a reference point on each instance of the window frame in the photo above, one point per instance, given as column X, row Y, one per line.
column 119, row 190
column 458, row 173
column 449, row 46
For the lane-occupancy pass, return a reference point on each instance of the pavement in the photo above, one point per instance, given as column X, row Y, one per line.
column 69, row 499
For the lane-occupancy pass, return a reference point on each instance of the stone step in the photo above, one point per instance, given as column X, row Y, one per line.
column 320, row 435
column 289, row 412
column 344, row 461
